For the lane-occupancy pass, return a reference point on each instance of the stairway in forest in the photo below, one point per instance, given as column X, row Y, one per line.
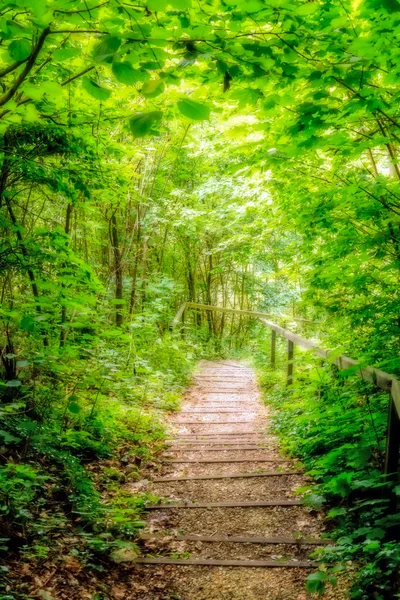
column 230, row 526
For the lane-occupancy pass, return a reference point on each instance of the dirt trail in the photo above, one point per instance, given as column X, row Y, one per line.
column 223, row 420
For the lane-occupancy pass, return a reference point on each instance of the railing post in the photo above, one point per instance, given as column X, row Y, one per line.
column 392, row 441
column 183, row 323
column 289, row 380
column 273, row 349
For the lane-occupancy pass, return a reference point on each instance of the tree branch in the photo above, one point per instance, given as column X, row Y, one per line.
column 82, row 10
column 28, row 67
column 67, row 81
column 12, row 67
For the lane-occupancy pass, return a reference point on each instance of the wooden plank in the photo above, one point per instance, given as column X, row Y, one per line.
column 212, row 562
column 214, row 447
column 233, row 380
column 221, row 390
column 225, row 404
column 233, row 392
column 215, row 444
column 211, row 422
column 215, row 412
column 213, row 461
column 289, row 379
column 293, row 541
column 226, row 476
column 213, row 367
column 178, row 315
column 237, row 504
column 382, row 379
column 273, row 349
column 392, row 441
column 249, row 313
column 216, row 441
column 227, row 378
column 216, row 434
column 395, row 393
column 186, row 448
column 257, row 438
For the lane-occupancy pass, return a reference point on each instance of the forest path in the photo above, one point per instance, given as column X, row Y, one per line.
column 223, row 458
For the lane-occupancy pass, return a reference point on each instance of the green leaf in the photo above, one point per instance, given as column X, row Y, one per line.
column 20, row 49
column 74, row 408
column 125, row 73
column 13, row 383
column 142, row 123
column 95, row 90
column 27, row 323
column 194, row 110
column 161, row 5
column 22, row 363
column 66, row 54
column 315, row 582
column 8, row 438
column 106, row 48
column 157, row 5
column 181, row 4
column 307, row 9
column 52, row 88
column 152, row 88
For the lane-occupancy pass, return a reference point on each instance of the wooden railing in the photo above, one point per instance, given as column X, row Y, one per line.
column 382, row 380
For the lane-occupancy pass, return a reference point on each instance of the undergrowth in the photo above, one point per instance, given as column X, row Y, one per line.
column 74, row 428
column 336, row 424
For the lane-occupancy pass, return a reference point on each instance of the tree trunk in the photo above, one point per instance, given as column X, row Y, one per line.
column 117, row 269
column 67, row 229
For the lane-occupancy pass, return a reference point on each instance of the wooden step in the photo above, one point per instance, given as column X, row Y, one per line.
column 241, row 539
column 214, row 412
column 215, row 440
column 230, row 404
column 236, row 504
column 212, row 422
column 222, row 460
column 225, row 476
column 216, row 434
column 198, row 439
column 211, row 562
column 232, row 391
column 240, row 432
column 187, row 437
column 187, row 448
column 204, row 439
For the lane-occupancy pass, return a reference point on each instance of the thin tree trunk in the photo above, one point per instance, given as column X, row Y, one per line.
column 67, row 229
column 117, row 269
column 24, row 252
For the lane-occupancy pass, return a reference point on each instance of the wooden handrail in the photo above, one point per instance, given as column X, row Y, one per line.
column 249, row 313
column 382, row 380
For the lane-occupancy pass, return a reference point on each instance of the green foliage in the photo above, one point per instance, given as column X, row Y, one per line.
column 316, row 582
column 94, row 89
column 337, row 427
column 275, row 187
column 193, row 110
column 142, row 123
